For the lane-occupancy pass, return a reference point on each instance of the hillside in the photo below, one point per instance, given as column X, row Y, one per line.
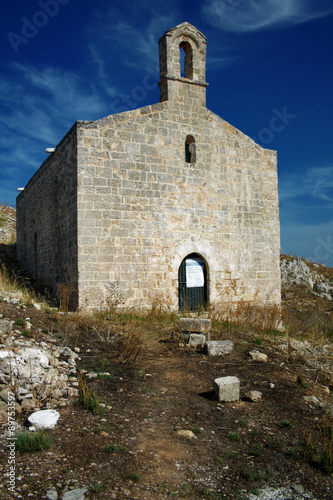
column 125, row 444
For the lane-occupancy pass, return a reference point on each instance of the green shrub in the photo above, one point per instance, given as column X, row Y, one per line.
column 284, row 424
column 113, row 448
column 32, row 441
column 234, row 436
column 134, row 476
column 257, row 450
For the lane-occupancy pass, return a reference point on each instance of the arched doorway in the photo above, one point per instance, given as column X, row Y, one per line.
column 192, row 283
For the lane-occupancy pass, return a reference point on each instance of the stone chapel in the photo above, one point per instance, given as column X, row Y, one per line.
column 168, row 202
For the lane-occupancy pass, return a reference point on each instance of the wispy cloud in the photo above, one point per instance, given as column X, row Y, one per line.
column 315, row 185
column 39, row 104
column 138, row 42
column 251, row 15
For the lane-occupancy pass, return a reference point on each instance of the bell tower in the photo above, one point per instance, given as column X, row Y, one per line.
column 183, row 65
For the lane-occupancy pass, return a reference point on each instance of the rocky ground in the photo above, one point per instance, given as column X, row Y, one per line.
column 151, row 387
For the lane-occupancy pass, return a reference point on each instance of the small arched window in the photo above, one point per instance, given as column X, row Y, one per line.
column 186, row 60
column 190, row 152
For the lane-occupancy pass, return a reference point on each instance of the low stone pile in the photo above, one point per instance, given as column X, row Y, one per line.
column 297, row 272
column 318, row 358
column 7, row 224
column 40, row 374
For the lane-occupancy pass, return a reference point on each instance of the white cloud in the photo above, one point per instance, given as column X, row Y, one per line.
column 314, row 184
column 251, row 15
column 54, row 87
column 135, row 40
column 306, row 208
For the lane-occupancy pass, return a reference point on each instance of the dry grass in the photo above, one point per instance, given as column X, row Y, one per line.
column 227, row 316
column 64, row 294
column 88, row 399
column 12, row 284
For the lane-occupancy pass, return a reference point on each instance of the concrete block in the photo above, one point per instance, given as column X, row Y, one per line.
column 227, row 388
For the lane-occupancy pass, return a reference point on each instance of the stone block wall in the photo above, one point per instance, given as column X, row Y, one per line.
column 142, row 208
column 47, row 219
column 123, row 200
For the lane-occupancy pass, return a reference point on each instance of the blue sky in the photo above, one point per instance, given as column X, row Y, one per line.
column 269, row 69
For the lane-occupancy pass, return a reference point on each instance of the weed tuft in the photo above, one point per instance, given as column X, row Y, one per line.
column 285, row 424
column 32, row 441
column 234, row 436
column 134, row 476
column 88, row 399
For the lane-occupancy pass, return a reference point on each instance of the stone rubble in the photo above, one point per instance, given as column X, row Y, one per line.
column 295, row 492
column 40, row 373
column 297, row 272
column 316, row 358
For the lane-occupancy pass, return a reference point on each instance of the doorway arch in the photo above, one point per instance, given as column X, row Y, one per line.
column 192, row 283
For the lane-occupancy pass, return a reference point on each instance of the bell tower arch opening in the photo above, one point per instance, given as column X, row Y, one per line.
column 183, row 65
column 186, row 60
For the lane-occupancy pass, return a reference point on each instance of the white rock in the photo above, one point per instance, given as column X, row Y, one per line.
column 44, row 419
column 36, row 356
column 78, row 494
column 186, row 434
column 258, row 356
column 254, row 396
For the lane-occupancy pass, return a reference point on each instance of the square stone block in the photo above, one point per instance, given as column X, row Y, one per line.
column 219, row 347
column 227, row 388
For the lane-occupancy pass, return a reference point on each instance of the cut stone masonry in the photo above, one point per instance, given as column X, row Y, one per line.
column 165, row 203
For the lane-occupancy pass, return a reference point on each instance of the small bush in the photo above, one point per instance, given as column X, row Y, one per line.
column 64, row 294
column 275, row 443
column 97, row 487
column 242, row 422
column 134, row 476
column 88, row 399
column 257, row 450
column 234, row 436
column 32, row 441
column 285, row 424
column 113, row 448
column 197, row 430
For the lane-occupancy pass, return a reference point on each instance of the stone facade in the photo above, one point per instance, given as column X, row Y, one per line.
column 124, row 200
